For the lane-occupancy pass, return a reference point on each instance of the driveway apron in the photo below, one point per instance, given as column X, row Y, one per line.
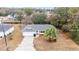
column 26, row 44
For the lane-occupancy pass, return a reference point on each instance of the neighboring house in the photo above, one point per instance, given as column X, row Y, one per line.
column 8, row 18
column 5, row 28
column 35, row 29
column 3, row 18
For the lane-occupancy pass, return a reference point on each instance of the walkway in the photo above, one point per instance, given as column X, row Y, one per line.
column 27, row 44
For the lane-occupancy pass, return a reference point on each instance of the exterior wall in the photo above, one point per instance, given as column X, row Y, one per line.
column 32, row 33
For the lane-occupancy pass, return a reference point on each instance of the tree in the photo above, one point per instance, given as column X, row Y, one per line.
column 74, row 29
column 54, row 20
column 66, row 27
column 39, row 18
column 50, row 34
column 62, row 16
column 19, row 18
column 75, row 32
column 28, row 11
column 65, row 15
column 19, row 15
column 67, row 20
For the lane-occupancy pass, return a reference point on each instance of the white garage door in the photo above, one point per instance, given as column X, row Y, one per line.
column 28, row 33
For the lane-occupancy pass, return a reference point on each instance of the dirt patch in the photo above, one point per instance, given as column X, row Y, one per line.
column 64, row 43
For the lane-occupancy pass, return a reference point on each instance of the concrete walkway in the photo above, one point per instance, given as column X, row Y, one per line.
column 26, row 44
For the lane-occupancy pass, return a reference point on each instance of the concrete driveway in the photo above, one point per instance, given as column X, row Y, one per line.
column 26, row 44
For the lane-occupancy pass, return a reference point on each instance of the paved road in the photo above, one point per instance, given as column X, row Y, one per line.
column 26, row 44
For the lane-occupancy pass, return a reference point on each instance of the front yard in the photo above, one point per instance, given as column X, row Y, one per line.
column 64, row 43
column 13, row 40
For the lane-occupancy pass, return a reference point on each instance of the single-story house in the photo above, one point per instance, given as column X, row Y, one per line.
column 35, row 29
column 5, row 29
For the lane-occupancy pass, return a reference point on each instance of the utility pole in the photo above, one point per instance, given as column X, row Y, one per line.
column 4, row 36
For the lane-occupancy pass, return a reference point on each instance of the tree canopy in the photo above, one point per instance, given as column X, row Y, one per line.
column 39, row 18
column 28, row 11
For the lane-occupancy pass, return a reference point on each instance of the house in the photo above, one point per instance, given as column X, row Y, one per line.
column 10, row 17
column 3, row 18
column 35, row 29
column 5, row 29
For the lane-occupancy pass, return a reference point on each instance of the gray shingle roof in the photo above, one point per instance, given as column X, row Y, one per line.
column 5, row 26
column 37, row 27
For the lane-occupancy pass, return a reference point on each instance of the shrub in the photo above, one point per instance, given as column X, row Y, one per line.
column 50, row 34
column 66, row 28
column 75, row 33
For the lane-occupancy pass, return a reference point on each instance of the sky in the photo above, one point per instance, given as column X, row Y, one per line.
column 38, row 3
